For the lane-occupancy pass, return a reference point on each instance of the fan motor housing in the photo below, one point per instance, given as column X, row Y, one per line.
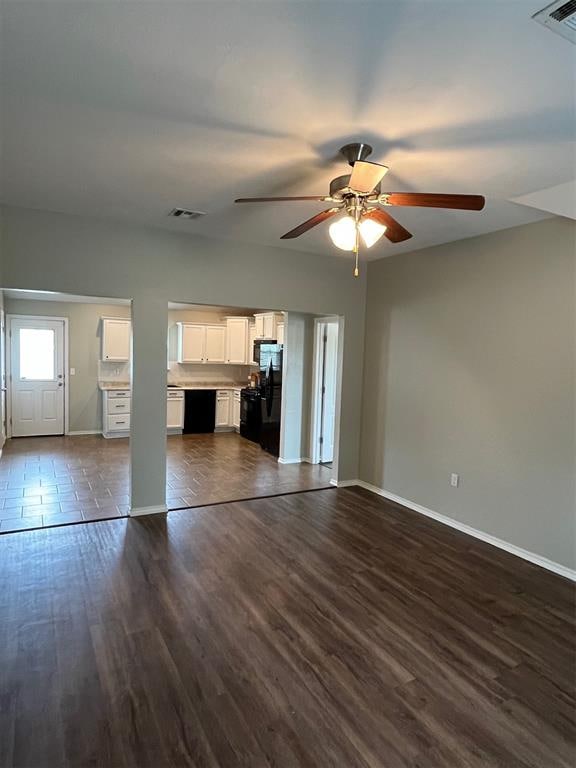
column 339, row 187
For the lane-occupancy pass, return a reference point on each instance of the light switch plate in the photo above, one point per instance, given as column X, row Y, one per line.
column 454, row 480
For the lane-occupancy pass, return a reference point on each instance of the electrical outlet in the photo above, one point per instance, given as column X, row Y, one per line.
column 454, row 480
column 72, row 371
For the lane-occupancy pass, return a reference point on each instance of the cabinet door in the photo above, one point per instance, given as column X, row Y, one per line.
column 236, row 341
column 236, row 411
column 191, row 344
column 175, row 413
column 251, row 338
column 259, row 326
column 116, row 340
column 269, row 327
column 215, row 348
column 222, row 409
column 280, row 333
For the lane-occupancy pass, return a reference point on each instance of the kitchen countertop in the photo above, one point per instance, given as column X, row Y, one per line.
column 206, row 385
column 108, row 385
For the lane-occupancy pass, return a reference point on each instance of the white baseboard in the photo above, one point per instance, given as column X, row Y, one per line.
column 289, row 461
column 84, row 432
column 137, row 511
column 346, row 483
column 525, row 554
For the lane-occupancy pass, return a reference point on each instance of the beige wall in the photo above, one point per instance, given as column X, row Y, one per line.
column 40, row 250
column 85, row 333
column 469, row 368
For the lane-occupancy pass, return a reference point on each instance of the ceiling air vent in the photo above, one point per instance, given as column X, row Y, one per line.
column 560, row 17
column 185, row 213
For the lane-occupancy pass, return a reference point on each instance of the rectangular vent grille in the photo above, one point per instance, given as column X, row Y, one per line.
column 565, row 10
column 185, row 213
column 560, row 17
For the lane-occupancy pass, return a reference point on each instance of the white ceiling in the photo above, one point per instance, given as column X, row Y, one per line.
column 126, row 109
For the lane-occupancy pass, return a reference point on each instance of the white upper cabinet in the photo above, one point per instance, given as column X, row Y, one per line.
column 251, row 339
column 280, row 333
column 215, row 346
column 116, row 338
column 237, row 340
column 201, row 343
column 191, row 343
column 267, row 324
column 259, row 327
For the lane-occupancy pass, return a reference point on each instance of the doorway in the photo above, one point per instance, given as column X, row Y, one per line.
column 36, row 357
column 324, row 390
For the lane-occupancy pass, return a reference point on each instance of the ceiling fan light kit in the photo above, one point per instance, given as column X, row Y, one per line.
column 359, row 196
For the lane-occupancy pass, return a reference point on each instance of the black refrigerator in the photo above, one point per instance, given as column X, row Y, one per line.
column 270, row 396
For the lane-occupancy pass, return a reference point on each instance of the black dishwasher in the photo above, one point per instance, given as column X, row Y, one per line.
column 199, row 411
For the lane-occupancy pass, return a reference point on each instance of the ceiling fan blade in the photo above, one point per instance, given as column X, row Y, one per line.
column 277, row 199
column 395, row 232
column 425, row 200
column 365, row 176
column 306, row 225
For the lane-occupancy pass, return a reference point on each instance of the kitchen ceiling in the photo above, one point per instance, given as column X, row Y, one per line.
column 125, row 110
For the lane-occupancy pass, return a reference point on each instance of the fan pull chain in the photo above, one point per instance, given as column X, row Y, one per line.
column 356, row 249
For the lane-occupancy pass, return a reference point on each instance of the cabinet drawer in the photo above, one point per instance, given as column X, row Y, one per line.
column 222, row 393
column 118, row 405
column 119, row 423
column 113, row 394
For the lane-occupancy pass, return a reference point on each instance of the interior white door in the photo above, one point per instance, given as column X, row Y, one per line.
column 329, row 392
column 36, row 377
column 3, row 375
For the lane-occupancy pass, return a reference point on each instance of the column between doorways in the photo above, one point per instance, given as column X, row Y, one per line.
column 148, row 407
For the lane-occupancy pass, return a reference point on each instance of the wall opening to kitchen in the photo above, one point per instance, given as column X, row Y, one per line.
column 239, row 395
column 64, row 408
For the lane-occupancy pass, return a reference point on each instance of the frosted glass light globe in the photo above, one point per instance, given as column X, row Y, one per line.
column 343, row 233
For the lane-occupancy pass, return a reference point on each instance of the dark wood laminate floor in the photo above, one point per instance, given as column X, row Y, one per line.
column 48, row 481
column 318, row 630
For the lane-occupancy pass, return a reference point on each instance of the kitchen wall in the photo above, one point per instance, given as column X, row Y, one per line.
column 297, row 387
column 189, row 372
column 469, row 368
column 84, row 331
column 41, row 250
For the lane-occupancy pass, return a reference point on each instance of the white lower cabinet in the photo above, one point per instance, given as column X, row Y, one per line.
column 236, row 410
column 222, row 408
column 116, row 412
column 175, row 412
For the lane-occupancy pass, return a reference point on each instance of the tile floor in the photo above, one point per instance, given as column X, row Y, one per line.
column 48, row 481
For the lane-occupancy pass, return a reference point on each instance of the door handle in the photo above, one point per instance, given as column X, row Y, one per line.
column 60, row 384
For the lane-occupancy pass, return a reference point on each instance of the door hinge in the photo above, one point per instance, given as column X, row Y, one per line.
column 321, row 440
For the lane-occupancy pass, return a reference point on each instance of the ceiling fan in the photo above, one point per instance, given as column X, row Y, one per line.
column 359, row 196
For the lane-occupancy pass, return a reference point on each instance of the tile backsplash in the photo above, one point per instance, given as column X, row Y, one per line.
column 181, row 372
column 190, row 372
column 113, row 371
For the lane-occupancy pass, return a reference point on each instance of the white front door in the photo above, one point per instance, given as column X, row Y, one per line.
column 329, row 392
column 36, row 376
